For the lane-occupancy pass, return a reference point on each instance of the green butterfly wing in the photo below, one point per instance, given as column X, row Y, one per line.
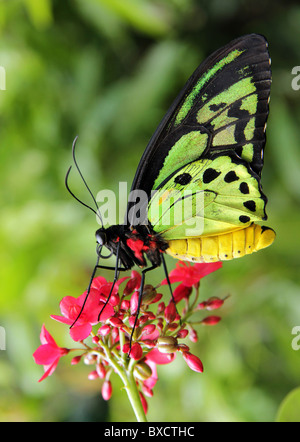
column 207, row 197
column 202, row 166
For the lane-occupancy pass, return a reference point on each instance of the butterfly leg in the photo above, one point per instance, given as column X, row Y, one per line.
column 139, row 302
column 116, row 276
column 168, row 280
column 119, row 269
column 88, row 292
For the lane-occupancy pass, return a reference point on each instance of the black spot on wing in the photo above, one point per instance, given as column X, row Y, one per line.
column 244, row 219
column 210, row 175
column 244, row 188
column 183, row 179
column 230, row 177
column 250, row 205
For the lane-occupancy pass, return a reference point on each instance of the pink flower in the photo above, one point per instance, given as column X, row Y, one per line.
column 71, row 308
column 48, row 354
column 189, row 274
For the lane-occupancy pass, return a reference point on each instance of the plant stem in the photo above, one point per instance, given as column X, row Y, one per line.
column 129, row 384
column 134, row 398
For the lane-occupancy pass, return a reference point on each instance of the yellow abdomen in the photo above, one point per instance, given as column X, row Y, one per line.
column 230, row 245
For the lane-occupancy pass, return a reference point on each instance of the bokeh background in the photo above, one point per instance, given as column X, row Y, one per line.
column 107, row 70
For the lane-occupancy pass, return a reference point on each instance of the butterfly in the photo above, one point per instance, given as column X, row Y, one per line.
column 198, row 183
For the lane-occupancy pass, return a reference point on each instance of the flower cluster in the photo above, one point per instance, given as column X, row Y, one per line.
column 125, row 341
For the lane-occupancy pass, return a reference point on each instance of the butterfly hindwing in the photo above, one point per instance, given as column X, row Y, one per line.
column 207, row 197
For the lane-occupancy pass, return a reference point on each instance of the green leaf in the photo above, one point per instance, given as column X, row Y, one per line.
column 289, row 410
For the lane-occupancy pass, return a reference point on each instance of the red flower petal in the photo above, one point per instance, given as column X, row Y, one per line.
column 160, row 358
column 80, row 332
column 49, row 370
column 182, row 291
column 190, row 275
column 46, row 354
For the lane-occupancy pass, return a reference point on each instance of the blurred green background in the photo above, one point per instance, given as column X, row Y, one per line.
column 108, row 70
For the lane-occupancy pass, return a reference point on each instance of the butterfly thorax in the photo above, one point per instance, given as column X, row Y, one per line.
column 136, row 243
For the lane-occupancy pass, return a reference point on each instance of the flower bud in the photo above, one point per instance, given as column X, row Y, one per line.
column 142, row 371
column 101, row 370
column 131, row 321
column 182, row 333
column 193, row 335
column 148, row 329
column 93, row 375
column 133, row 283
column 114, row 299
column 201, row 306
column 104, row 330
column 151, row 316
column 143, row 319
column 90, row 359
column 134, row 301
column 106, row 390
column 193, row 362
column 147, row 391
column 115, row 334
column 126, row 347
column 136, row 351
column 170, row 312
column 144, row 402
column 214, row 303
column 149, row 294
column 172, row 326
column 160, row 308
column 125, row 304
column 115, row 322
column 149, row 343
column 183, row 347
column 211, row 320
column 76, row 360
column 167, row 344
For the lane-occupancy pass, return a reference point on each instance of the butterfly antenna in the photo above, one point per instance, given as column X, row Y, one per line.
column 97, row 212
column 74, row 196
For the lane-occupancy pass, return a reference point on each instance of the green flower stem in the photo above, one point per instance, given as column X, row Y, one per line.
column 134, row 397
column 129, row 383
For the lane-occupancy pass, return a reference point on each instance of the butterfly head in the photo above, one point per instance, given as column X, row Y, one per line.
column 101, row 237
